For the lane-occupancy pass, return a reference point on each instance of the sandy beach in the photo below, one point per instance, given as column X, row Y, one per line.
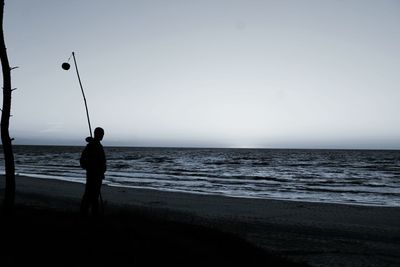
column 319, row 234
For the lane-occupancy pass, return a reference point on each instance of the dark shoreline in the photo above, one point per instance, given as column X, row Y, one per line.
column 34, row 176
column 318, row 233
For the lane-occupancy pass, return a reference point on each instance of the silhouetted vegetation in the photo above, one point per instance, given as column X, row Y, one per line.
column 9, row 196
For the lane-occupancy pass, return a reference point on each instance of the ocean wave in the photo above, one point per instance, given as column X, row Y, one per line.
column 344, row 176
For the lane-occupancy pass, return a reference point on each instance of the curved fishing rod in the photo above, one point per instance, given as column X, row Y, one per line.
column 66, row 66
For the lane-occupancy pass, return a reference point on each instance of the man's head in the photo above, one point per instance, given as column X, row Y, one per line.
column 98, row 134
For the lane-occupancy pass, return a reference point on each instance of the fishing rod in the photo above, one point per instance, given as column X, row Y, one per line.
column 66, row 66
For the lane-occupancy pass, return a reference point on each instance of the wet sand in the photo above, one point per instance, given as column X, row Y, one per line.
column 319, row 234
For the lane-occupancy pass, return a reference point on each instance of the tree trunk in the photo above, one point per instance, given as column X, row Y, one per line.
column 9, row 194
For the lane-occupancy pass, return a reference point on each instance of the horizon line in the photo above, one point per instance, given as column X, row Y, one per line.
column 215, row 147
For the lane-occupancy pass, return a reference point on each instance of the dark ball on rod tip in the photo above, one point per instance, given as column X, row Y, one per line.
column 65, row 66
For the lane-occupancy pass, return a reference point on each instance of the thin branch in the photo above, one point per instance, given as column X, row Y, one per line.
column 13, row 68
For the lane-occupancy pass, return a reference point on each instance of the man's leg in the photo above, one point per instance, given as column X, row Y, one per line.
column 96, row 194
column 85, row 199
column 89, row 198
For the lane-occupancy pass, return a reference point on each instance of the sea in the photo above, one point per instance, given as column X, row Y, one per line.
column 363, row 177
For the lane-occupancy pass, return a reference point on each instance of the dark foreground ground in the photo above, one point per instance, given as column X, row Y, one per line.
column 145, row 227
column 39, row 236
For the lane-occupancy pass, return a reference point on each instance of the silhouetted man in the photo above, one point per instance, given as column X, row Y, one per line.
column 93, row 160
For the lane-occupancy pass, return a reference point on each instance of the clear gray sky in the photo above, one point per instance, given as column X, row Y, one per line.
column 224, row 73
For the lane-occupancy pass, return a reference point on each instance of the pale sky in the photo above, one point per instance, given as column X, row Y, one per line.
column 219, row 73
